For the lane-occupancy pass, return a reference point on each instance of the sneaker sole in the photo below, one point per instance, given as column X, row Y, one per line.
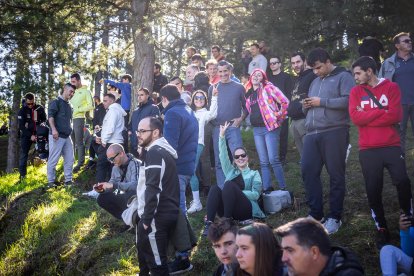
column 192, row 212
column 182, row 271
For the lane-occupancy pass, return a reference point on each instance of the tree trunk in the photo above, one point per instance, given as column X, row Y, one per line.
column 143, row 46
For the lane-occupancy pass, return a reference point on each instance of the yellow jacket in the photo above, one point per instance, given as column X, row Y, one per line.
column 82, row 102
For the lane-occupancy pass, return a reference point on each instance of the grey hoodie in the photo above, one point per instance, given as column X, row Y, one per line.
column 334, row 92
column 129, row 183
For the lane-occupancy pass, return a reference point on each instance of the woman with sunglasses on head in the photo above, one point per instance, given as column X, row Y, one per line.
column 268, row 109
column 241, row 190
column 199, row 105
column 258, row 252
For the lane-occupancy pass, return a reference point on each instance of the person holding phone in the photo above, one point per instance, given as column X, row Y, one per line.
column 395, row 260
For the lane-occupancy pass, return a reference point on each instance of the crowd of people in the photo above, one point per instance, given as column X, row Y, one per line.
column 146, row 158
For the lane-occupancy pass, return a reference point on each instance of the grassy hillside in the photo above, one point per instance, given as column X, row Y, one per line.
column 61, row 232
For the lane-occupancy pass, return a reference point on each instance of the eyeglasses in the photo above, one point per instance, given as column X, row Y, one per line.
column 199, row 98
column 406, row 41
column 112, row 159
column 237, row 156
column 274, row 63
column 142, row 131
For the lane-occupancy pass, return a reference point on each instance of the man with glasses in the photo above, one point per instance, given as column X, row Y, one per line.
column 60, row 142
column 115, row 193
column 284, row 82
column 30, row 116
column 399, row 68
column 111, row 133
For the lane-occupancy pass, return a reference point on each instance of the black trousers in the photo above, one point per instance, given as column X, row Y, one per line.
column 230, row 202
column 103, row 166
column 373, row 162
column 113, row 203
column 283, row 143
column 152, row 244
column 25, row 144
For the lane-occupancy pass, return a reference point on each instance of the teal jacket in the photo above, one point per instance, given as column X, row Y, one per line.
column 252, row 179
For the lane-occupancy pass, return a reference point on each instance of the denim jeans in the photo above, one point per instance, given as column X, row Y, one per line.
column 194, row 179
column 408, row 114
column 234, row 140
column 267, row 146
column 184, row 180
column 393, row 261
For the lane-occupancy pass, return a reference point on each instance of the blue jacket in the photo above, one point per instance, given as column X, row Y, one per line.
column 181, row 132
column 146, row 110
column 125, row 93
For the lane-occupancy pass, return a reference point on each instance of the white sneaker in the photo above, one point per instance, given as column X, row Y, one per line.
column 93, row 194
column 195, row 206
column 332, row 225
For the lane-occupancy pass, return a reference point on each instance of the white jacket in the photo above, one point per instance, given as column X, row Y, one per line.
column 204, row 116
column 113, row 125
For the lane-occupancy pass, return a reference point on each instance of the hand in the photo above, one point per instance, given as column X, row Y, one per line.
column 311, row 102
column 103, row 145
column 101, row 81
column 145, row 227
column 223, row 129
column 405, row 222
column 99, row 187
column 107, row 185
column 215, row 90
column 139, row 150
column 33, row 138
column 129, row 132
column 237, row 122
column 55, row 134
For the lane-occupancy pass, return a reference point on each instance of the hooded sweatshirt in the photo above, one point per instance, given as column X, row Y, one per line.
column 158, row 189
column 113, row 125
column 333, row 90
column 376, row 126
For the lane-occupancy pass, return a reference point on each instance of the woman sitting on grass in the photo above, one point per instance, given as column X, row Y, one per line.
column 241, row 190
column 258, row 251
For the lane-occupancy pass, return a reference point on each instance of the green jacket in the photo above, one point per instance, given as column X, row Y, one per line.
column 252, row 179
column 81, row 102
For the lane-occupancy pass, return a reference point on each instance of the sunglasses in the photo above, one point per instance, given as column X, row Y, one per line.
column 406, row 41
column 142, row 131
column 274, row 63
column 112, row 159
column 237, row 156
column 199, row 98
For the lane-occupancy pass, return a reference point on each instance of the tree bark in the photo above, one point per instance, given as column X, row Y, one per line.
column 143, row 46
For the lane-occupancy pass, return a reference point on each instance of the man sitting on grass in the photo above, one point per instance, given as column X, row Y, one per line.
column 222, row 235
column 115, row 193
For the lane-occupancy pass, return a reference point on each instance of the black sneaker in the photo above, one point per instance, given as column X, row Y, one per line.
column 268, row 190
column 383, row 238
column 206, row 227
column 77, row 168
column 179, row 265
column 91, row 164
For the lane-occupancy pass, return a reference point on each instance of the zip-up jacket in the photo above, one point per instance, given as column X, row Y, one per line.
column 158, row 189
column 181, row 132
column 98, row 115
column 342, row 262
column 81, row 102
column 30, row 118
column 61, row 111
column 113, row 125
column 376, row 126
column 145, row 110
column 333, row 90
column 125, row 177
column 299, row 93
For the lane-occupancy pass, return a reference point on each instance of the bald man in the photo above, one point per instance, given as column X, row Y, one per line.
column 124, row 178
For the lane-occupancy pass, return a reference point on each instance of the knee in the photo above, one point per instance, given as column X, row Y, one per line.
column 388, row 252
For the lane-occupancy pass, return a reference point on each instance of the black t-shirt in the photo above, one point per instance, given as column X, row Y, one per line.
column 256, row 118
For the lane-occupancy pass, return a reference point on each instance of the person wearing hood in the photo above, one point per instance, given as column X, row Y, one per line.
column 379, row 140
column 181, row 132
column 307, row 251
column 327, row 136
column 112, row 127
column 146, row 108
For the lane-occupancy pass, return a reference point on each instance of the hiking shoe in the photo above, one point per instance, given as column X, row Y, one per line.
column 322, row 220
column 383, row 238
column 69, row 183
column 51, row 185
column 332, row 225
column 195, row 206
column 179, row 265
column 206, row 227
column 76, row 168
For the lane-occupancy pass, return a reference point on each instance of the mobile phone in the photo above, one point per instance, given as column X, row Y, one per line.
column 99, row 187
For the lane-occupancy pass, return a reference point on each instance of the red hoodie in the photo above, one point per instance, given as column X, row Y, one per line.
column 377, row 127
